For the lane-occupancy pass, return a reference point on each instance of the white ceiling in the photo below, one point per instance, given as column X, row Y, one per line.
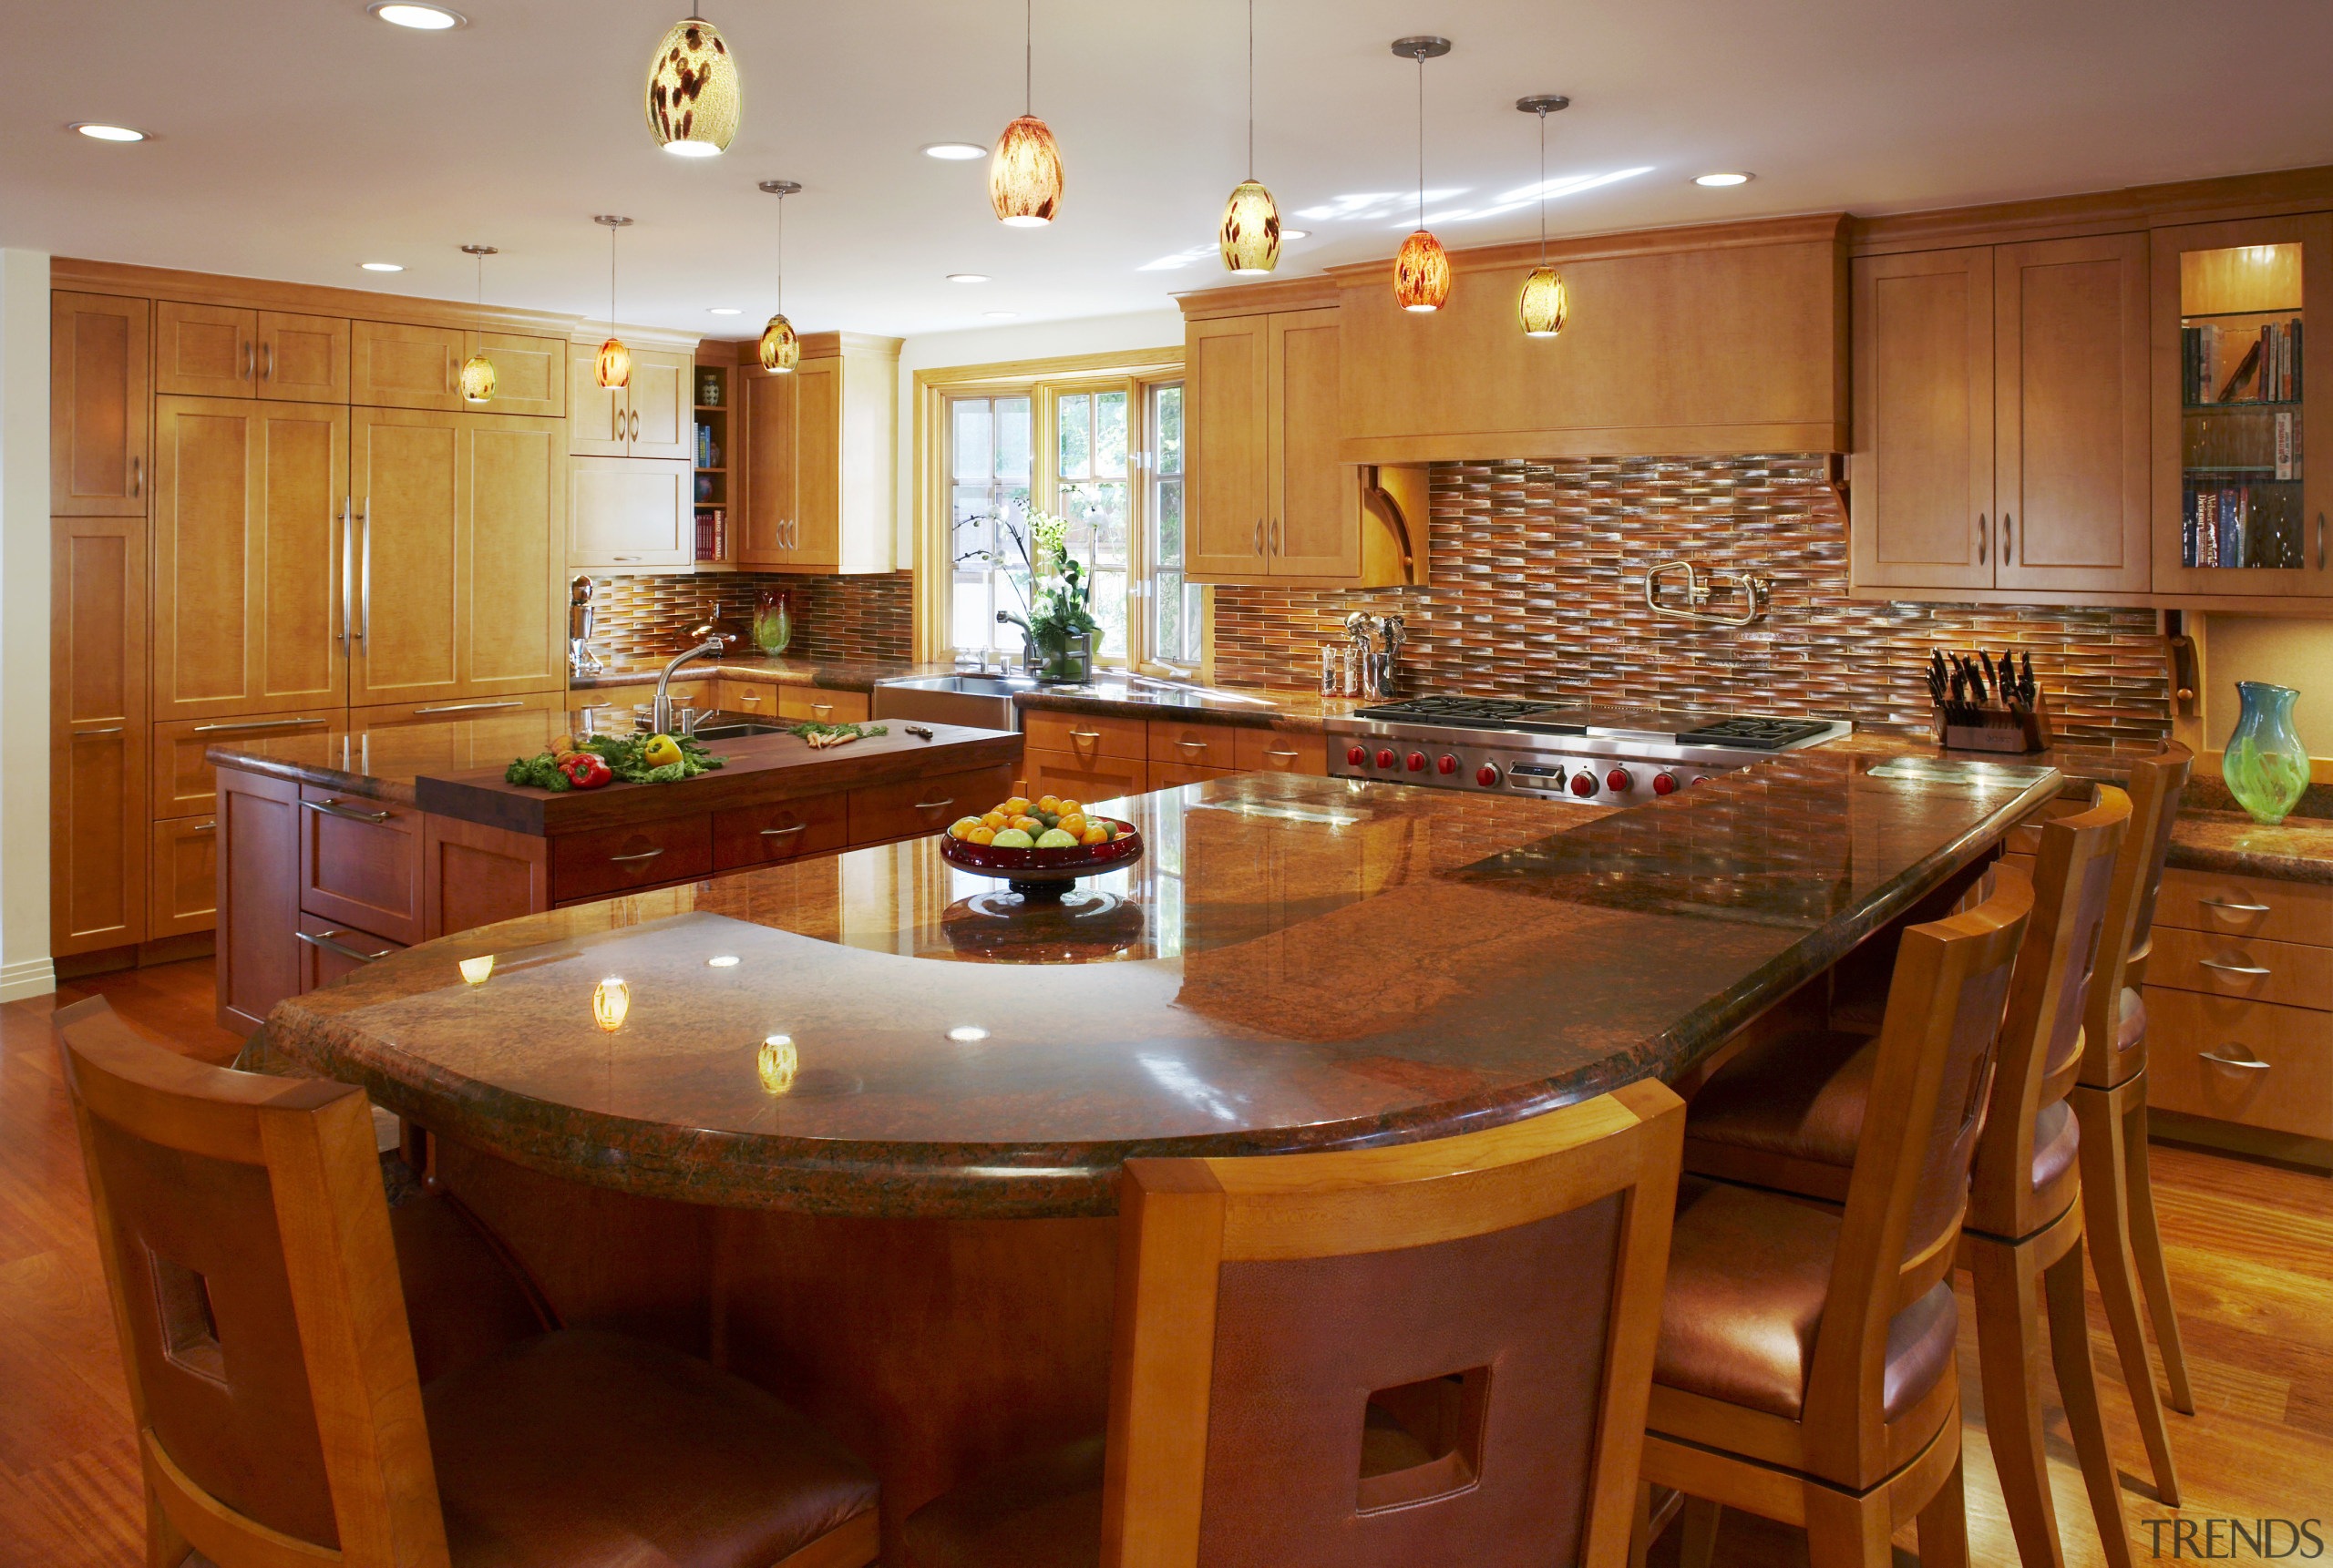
column 296, row 139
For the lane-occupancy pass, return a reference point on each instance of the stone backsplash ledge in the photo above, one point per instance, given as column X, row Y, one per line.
column 1537, row 590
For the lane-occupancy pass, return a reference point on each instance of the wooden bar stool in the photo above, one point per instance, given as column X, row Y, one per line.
column 282, row 1420
column 2024, row 1225
column 1804, row 1372
column 1433, row 1352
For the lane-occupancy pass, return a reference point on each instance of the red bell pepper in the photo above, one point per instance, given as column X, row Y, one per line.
column 585, row 770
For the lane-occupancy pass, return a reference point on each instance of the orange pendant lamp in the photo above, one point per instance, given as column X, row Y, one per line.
column 781, row 345
column 1421, row 271
column 613, row 366
column 693, row 96
column 1249, row 240
column 1024, row 172
column 477, row 371
column 1544, row 306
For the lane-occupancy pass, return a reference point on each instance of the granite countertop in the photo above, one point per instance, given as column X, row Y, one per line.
column 2298, row 849
column 382, row 762
column 1288, row 712
column 1296, row 963
column 830, row 675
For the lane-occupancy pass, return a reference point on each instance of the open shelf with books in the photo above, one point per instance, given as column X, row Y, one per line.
column 714, row 389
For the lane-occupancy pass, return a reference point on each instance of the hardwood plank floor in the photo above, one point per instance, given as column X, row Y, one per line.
column 2251, row 1250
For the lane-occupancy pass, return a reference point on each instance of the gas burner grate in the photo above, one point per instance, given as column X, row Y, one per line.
column 1475, row 712
column 1753, row 734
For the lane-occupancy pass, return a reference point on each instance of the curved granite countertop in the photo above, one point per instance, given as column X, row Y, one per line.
column 1297, row 963
column 2298, row 849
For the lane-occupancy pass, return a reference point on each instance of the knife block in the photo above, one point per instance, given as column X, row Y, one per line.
column 1999, row 730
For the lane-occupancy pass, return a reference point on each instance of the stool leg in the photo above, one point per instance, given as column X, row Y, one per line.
column 2146, row 1242
column 2007, row 1335
column 1843, row 1532
column 2106, row 1168
column 1697, row 1533
column 1944, row 1522
column 2078, row 1387
column 165, row 1546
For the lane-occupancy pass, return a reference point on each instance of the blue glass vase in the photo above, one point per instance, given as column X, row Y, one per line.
column 2264, row 767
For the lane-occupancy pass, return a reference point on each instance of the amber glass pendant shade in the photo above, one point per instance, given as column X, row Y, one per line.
column 1251, row 238
column 1025, row 174
column 477, row 379
column 781, row 345
column 614, row 367
column 1542, row 307
column 1421, row 273
column 693, row 91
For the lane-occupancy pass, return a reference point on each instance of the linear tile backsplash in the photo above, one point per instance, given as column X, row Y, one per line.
column 1538, row 589
column 837, row 617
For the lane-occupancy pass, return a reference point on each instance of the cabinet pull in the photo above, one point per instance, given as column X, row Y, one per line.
column 256, row 725
column 2320, row 541
column 1280, row 538
column 1984, row 538
column 643, row 854
column 365, row 576
column 333, row 809
column 822, row 707
column 108, row 730
column 201, row 827
column 785, row 832
column 343, row 950
column 137, row 486
column 2230, row 904
column 1290, row 755
column 269, row 374
column 934, row 804
column 1259, row 536
column 2008, row 522
column 1200, row 744
column 2233, row 1060
column 623, row 558
column 1085, row 734
column 247, row 364
column 634, row 431
column 465, row 707
column 2225, row 967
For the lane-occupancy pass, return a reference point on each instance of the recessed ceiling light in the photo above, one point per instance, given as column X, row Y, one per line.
column 102, row 132
column 722, row 961
column 1001, row 315
column 966, row 1033
column 421, row 18
column 955, row 151
column 381, row 266
column 1296, row 233
column 968, row 277
column 1721, row 178
column 723, row 311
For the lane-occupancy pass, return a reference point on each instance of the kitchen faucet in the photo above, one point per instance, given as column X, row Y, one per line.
column 660, row 719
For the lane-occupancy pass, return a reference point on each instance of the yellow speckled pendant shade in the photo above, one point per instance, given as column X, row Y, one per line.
column 1542, row 306
column 1250, row 237
column 1025, row 174
column 693, row 96
column 781, row 347
column 1421, row 273
column 614, row 367
column 477, row 379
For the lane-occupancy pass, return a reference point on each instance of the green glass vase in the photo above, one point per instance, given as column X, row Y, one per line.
column 2266, row 768
column 774, row 621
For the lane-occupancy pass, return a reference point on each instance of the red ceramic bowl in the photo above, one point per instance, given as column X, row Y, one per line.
column 1068, row 864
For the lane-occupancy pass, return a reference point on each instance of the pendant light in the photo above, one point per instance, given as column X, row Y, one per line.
column 781, row 346
column 1024, row 173
column 1421, row 271
column 477, row 371
column 1544, row 306
column 693, row 96
column 1250, row 239
column 614, row 367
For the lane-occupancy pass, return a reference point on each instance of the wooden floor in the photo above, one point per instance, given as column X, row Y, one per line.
column 2251, row 1251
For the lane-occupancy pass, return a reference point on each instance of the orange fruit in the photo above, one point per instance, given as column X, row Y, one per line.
column 1096, row 834
column 983, row 833
column 1049, row 802
column 1073, row 822
column 1017, row 806
column 1029, row 825
column 996, row 819
column 1070, row 808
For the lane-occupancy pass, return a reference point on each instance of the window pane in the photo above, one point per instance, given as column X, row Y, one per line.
column 1110, row 611
column 1169, row 636
column 1110, row 434
column 1173, row 608
column 1077, row 415
column 972, row 439
column 1170, row 428
column 1169, row 512
column 1012, row 438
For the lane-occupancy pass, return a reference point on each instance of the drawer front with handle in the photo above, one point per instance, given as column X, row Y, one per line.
column 1175, row 775
column 329, row 952
column 1273, row 751
column 821, row 706
column 1086, row 781
column 2231, row 906
column 2284, row 973
column 452, row 709
column 618, row 859
column 1193, row 745
column 914, row 807
column 790, row 830
column 186, row 785
column 1086, row 736
column 360, row 863
column 2246, row 1061
column 746, row 697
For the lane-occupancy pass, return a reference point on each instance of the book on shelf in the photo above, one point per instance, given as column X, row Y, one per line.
column 2267, row 371
column 705, row 446
column 713, row 534
column 2239, row 524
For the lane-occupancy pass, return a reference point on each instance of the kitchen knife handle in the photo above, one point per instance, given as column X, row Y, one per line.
column 1984, row 538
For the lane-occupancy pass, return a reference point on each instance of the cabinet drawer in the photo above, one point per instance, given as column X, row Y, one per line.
column 1086, row 735
column 329, row 952
column 789, row 830
column 1175, row 775
column 380, row 713
column 1082, row 779
column 630, row 512
column 819, row 705
column 916, row 806
column 746, row 697
column 1193, row 745
column 184, row 784
column 2201, row 1051
column 618, row 859
column 184, row 867
column 360, row 863
column 2231, row 906
column 2284, row 973
column 1275, row 752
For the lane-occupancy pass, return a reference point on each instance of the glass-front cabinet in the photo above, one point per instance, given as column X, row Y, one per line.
column 2239, row 510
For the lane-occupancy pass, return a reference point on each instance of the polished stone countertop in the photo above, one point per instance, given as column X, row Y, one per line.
column 2298, row 849
column 1296, row 963
column 831, row 674
column 382, row 762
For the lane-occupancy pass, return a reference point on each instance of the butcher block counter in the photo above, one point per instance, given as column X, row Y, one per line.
column 333, row 856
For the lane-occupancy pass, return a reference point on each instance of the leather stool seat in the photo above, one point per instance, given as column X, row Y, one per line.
column 584, row 1450
column 1748, row 1274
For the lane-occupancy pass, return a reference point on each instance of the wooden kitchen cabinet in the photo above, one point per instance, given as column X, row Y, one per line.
column 330, row 952
column 302, row 359
column 820, row 456
column 259, row 896
column 99, row 355
column 772, row 835
column 97, row 717
column 205, row 351
column 1189, row 745
column 1081, row 778
column 1275, row 752
column 404, row 367
column 1226, row 446
column 1175, row 775
column 650, row 416
column 623, row 859
column 529, row 372
column 185, row 868
column 626, row 513
column 249, row 598
column 909, row 808
column 1922, row 497
column 1085, row 737
column 185, row 783
column 360, row 863
column 771, row 451
column 819, row 705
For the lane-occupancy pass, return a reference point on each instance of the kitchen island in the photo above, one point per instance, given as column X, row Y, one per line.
column 852, row 1126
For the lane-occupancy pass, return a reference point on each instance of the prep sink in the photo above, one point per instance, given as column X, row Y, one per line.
column 981, row 702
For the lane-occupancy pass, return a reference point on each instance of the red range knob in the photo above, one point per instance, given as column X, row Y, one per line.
column 1616, row 781
column 1583, row 784
column 1417, row 761
column 1448, row 764
column 1486, row 776
column 1700, row 778
column 1357, row 756
column 1664, row 784
column 1385, row 759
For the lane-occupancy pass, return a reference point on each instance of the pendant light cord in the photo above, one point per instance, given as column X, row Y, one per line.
column 1420, row 142
column 781, row 256
column 612, row 280
column 1543, row 188
column 1252, row 89
column 1028, row 57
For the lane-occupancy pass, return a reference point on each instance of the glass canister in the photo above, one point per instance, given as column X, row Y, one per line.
column 2266, row 768
column 773, row 620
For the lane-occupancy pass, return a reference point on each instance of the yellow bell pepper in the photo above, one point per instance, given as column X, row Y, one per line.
column 660, row 750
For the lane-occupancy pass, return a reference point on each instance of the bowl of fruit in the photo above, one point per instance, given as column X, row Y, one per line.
column 1041, row 847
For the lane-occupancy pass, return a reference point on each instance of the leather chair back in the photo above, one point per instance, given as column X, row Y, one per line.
column 2155, row 786
column 1434, row 1352
column 246, row 1241
column 2041, row 1039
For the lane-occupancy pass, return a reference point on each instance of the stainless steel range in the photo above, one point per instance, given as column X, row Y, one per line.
column 1615, row 756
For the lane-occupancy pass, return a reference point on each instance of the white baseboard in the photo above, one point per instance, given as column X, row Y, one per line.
column 33, row 977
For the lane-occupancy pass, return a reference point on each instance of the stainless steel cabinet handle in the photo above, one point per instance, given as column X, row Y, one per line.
column 934, row 804
column 110, row 730
column 2225, row 967
column 202, row 827
column 1280, row 538
column 1984, row 538
column 635, row 424
column 2320, row 541
column 1200, row 744
column 247, row 364
column 822, row 707
column 1259, row 536
column 623, row 558
column 138, row 488
column 256, row 725
column 1085, row 734
column 2233, row 1061
column 2230, row 904
column 785, row 832
column 1289, row 755
column 333, row 809
column 341, row 636
column 628, row 859
column 2007, row 523
column 365, row 578
column 269, row 374
column 467, row 707
column 343, row 950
